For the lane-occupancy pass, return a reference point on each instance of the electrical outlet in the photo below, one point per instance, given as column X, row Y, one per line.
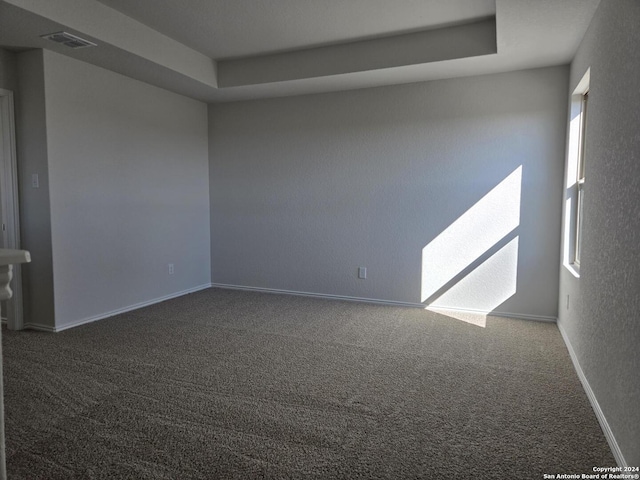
column 35, row 180
column 362, row 272
column 171, row 269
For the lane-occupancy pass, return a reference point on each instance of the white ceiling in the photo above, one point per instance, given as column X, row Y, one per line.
column 223, row 50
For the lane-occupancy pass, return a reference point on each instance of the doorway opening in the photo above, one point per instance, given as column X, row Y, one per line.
column 12, row 310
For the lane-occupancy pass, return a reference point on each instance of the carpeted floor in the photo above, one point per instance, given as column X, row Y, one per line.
column 228, row 384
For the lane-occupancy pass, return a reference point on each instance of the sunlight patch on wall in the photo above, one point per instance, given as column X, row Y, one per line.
column 487, row 286
column 464, row 243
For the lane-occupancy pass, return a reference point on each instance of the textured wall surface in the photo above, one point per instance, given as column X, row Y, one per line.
column 128, row 171
column 603, row 318
column 305, row 190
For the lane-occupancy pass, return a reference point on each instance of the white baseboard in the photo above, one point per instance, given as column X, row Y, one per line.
column 39, row 328
column 537, row 318
column 521, row 316
column 606, row 429
column 33, row 326
column 120, row 310
column 395, row 303
column 319, row 295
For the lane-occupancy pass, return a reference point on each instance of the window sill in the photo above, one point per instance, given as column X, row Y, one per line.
column 573, row 269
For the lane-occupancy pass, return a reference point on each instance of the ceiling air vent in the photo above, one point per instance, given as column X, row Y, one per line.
column 69, row 40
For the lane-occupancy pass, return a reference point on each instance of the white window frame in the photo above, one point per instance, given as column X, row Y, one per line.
column 580, row 180
column 575, row 177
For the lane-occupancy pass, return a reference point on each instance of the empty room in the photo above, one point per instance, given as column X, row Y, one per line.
column 320, row 239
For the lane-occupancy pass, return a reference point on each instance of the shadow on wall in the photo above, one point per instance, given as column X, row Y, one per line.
column 473, row 264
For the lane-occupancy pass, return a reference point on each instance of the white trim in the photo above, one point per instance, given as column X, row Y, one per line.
column 520, row 316
column 574, row 156
column 318, row 295
column 583, row 84
column 118, row 311
column 606, row 429
column 34, row 326
column 538, row 318
column 226, row 286
column 39, row 328
column 10, row 211
column 573, row 268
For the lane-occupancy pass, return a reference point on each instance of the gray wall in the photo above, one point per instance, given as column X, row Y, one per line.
column 35, row 214
column 602, row 322
column 8, row 70
column 128, row 173
column 306, row 189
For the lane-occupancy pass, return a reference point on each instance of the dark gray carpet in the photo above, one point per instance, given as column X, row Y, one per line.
column 227, row 384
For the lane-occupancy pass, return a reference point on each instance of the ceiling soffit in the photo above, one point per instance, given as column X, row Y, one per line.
column 127, row 46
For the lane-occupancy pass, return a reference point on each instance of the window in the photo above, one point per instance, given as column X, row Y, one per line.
column 575, row 178
column 580, row 179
